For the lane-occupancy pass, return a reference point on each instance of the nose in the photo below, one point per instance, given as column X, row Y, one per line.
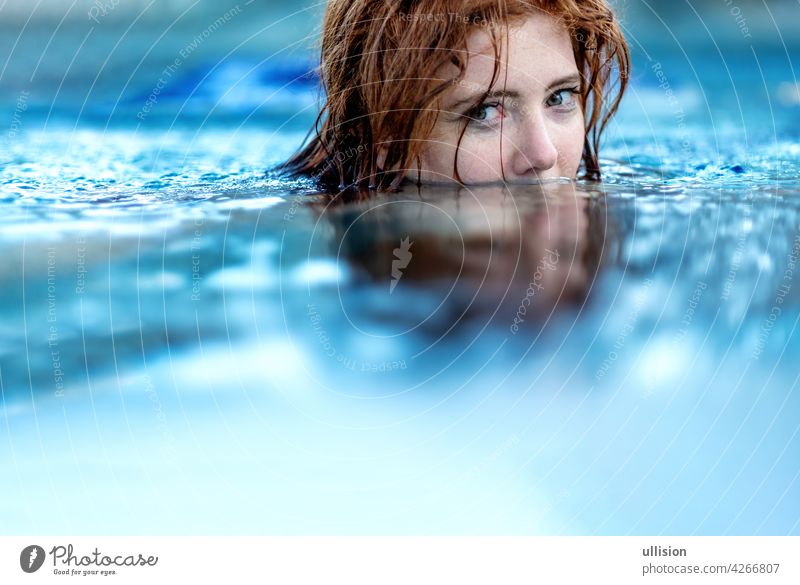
column 535, row 152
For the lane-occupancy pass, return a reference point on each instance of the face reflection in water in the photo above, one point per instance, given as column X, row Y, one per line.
column 508, row 250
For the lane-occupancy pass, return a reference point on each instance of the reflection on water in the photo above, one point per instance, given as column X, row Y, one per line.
column 564, row 358
column 514, row 250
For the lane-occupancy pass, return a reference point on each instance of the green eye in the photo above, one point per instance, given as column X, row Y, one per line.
column 563, row 97
column 480, row 114
column 485, row 113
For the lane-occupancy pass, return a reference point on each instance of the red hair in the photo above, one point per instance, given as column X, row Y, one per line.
column 381, row 68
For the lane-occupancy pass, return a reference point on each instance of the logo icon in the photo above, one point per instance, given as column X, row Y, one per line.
column 402, row 258
column 31, row 558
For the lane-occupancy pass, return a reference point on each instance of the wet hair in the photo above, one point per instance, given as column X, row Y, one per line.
column 380, row 70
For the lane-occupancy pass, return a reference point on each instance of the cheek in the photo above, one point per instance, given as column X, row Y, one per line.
column 570, row 146
column 478, row 158
column 436, row 160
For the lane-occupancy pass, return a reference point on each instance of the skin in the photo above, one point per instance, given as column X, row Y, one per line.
column 532, row 126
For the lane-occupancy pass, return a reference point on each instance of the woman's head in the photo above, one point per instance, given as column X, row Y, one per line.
column 466, row 90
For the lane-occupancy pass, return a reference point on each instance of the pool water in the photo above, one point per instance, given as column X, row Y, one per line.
column 191, row 343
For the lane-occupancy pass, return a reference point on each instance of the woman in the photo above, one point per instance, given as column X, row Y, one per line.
column 471, row 91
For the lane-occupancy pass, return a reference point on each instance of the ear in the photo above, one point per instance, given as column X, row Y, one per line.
column 380, row 160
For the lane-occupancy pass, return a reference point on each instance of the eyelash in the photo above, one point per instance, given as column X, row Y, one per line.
column 572, row 90
column 472, row 115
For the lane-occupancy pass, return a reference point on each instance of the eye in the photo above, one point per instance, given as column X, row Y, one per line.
column 564, row 98
column 486, row 113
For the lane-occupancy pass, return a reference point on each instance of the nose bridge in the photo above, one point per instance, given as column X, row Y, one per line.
column 537, row 147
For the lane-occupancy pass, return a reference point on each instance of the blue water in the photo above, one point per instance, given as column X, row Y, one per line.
column 191, row 343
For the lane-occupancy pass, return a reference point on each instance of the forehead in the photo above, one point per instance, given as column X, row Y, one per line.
column 535, row 48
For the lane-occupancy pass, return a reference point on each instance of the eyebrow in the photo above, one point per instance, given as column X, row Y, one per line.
column 512, row 94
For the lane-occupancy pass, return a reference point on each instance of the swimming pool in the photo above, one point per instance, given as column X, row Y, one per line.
column 192, row 344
